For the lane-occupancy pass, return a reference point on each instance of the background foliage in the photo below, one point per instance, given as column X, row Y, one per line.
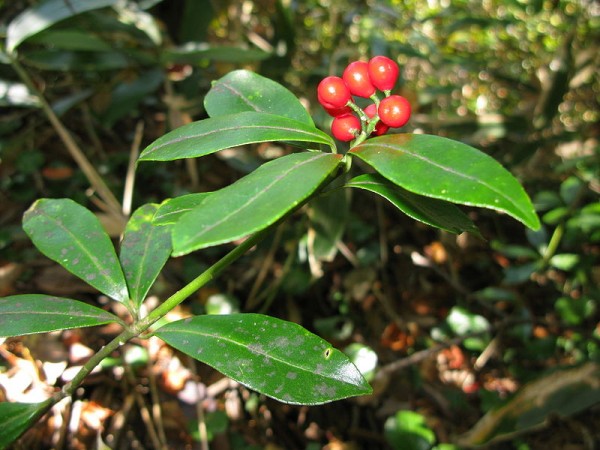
column 450, row 329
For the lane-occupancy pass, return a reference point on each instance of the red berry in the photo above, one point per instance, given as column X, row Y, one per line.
column 356, row 77
column 383, row 73
column 334, row 112
column 380, row 128
column 332, row 92
column 345, row 127
column 394, row 111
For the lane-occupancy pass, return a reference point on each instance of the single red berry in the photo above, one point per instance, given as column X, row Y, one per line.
column 380, row 128
column 334, row 112
column 383, row 73
column 332, row 92
column 356, row 77
column 394, row 111
column 345, row 127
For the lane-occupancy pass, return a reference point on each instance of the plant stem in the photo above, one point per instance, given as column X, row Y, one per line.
column 174, row 300
column 84, row 164
column 206, row 276
column 96, row 359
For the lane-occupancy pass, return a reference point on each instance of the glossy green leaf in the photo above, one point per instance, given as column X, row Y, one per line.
column 145, row 249
column 434, row 212
column 171, row 210
column 211, row 135
column 45, row 14
column 254, row 202
column 71, row 235
column 274, row 357
column 16, row 418
column 448, row 170
column 38, row 313
column 242, row 90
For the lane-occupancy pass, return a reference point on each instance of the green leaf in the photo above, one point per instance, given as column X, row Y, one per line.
column 242, row 90
column 556, row 395
column 63, row 60
column 71, row 39
column 16, row 418
column 437, row 213
column 38, row 313
column 44, row 15
column 171, row 210
column 211, row 135
column 328, row 215
column 195, row 52
column 145, row 249
column 447, row 170
column 408, row 430
column 127, row 95
column 71, row 235
column 254, row 202
column 274, row 357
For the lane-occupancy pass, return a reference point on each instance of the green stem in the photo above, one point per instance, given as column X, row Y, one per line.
column 174, row 300
column 206, row 276
column 553, row 244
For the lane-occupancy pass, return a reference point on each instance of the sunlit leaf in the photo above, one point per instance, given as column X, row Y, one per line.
column 145, row 249
column 242, row 90
column 171, row 210
column 211, row 135
column 448, row 170
column 71, row 235
column 37, row 313
column 254, row 202
column 274, row 357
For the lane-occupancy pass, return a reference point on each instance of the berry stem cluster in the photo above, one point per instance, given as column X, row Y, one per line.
column 364, row 79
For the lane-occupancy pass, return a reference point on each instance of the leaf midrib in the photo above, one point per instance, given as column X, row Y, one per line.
column 245, row 347
column 454, row 172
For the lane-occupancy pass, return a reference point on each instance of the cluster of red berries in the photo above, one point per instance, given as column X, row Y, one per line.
column 363, row 79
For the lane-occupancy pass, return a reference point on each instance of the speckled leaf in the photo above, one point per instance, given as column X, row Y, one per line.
column 172, row 209
column 71, row 235
column 38, row 313
column 242, row 90
column 211, row 135
column 437, row 213
column 254, row 202
column 144, row 251
column 16, row 418
column 274, row 357
column 448, row 170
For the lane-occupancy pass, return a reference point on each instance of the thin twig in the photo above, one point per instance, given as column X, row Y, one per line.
column 202, row 430
column 130, row 177
column 144, row 411
column 267, row 263
column 76, row 153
